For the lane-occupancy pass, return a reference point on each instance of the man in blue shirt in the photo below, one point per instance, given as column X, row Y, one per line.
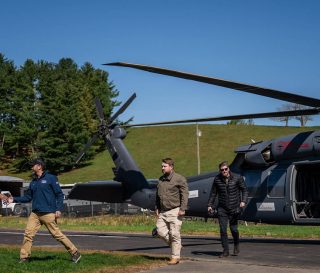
column 47, row 203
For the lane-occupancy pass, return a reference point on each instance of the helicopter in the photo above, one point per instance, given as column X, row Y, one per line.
column 282, row 174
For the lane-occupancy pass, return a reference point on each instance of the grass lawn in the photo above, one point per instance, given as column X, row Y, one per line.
column 148, row 147
column 56, row 261
column 145, row 223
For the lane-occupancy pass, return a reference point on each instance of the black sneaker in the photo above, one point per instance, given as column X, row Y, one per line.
column 224, row 254
column 236, row 250
column 23, row 260
column 76, row 257
column 154, row 232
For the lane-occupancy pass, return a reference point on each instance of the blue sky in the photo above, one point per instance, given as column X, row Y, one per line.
column 270, row 43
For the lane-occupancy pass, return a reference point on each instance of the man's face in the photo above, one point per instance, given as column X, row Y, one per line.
column 224, row 170
column 36, row 168
column 166, row 168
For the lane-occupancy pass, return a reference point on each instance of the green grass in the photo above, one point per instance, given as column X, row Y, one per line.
column 149, row 145
column 59, row 261
column 145, row 223
column 104, row 262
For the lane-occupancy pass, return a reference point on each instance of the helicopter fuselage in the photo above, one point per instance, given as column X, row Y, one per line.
column 282, row 176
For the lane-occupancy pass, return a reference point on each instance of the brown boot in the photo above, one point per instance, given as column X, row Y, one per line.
column 173, row 261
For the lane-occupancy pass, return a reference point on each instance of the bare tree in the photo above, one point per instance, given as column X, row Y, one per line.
column 293, row 106
column 302, row 119
column 285, row 107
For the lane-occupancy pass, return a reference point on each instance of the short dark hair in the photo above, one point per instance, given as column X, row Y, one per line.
column 223, row 163
column 38, row 161
column 169, row 161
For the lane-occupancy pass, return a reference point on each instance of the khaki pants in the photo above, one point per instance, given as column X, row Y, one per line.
column 168, row 227
column 34, row 223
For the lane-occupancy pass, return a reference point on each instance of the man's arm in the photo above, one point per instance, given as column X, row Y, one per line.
column 23, row 199
column 184, row 196
column 58, row 194
column 243, row 191
column 212, row 198
column 157, row 204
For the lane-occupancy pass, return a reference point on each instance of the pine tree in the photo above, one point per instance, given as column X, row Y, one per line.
column 47, row 110
column 7, row 123
column 25, row 130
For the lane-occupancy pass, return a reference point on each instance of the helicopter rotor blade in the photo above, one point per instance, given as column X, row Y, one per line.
column 86, row 147
column 123, row 108
column 99, row 108
column 305, row 112
column 103, row 127
column 272, row 93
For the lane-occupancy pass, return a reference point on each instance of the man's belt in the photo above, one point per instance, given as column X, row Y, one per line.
column 165, row 210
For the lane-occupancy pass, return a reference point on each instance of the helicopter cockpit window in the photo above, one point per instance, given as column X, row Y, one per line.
column 267, row 155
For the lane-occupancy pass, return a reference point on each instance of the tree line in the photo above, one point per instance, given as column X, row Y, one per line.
column 47, row 110
column 293, row 106
column 303, row 119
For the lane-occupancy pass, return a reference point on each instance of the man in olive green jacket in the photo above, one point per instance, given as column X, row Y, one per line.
column 171, row 204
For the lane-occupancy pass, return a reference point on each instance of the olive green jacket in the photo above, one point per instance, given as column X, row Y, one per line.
column 172, row 192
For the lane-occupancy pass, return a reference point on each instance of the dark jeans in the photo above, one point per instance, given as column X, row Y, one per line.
column 225, row 217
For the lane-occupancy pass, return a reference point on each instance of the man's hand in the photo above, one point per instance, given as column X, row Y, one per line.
column 6, row 198
column 3, row 197
column 212, row 211
column 242, row 204
column 58, row 214
column 181, row 213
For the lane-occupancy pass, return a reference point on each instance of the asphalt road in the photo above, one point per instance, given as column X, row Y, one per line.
column 264, row 255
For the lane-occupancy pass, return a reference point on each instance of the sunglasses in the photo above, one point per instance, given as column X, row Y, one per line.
column 224, row 169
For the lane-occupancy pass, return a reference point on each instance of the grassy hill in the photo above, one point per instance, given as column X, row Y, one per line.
column 148, row 145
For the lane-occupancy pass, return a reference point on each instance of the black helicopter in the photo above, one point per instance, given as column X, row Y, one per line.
column 282, row 174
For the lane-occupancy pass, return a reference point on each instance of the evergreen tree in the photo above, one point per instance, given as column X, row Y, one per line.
column 47, row 110
column 25, row 130
column 7, row 87
column 62, row 123
column 68, row 110
column 94, row 83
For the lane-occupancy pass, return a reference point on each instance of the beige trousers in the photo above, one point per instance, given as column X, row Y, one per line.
column 168, row 227
column 34, row 223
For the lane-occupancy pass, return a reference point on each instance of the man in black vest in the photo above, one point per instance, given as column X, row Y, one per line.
column 232, row 197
